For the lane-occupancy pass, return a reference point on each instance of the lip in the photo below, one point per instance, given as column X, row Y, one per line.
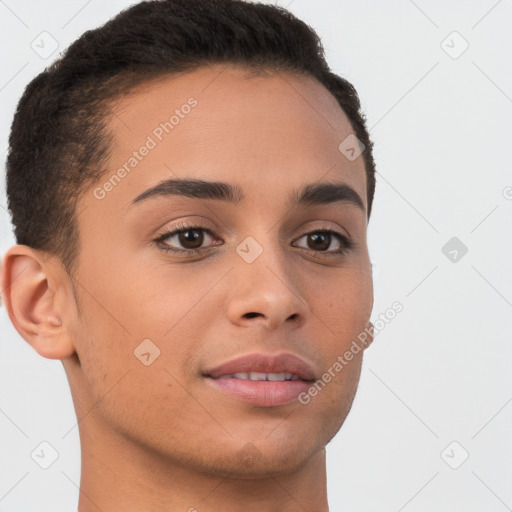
column 283, row 362
column 262, row 393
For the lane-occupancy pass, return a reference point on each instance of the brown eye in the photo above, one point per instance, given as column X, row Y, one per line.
column 321, row 240
column 191, row 238
column 185, row 239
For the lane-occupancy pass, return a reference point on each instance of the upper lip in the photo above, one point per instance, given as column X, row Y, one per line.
column 264, row 363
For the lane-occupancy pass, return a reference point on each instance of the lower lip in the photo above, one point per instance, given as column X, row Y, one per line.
column 261, row 392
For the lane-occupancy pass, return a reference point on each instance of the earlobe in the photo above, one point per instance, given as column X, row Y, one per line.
column 32, row 301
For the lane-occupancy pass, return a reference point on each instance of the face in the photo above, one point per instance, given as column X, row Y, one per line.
column 260, row 273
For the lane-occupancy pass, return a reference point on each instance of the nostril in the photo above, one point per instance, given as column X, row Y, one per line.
column 251, row 315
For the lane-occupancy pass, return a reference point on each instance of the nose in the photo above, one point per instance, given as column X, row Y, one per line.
column 266, row 291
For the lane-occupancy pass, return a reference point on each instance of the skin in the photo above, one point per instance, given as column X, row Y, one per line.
column 157, row 437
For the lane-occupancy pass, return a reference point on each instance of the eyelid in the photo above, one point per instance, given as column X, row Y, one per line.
column 180, row 225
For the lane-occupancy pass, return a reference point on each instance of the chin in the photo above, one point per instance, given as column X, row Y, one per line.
column 250, row 464
column 270, row 457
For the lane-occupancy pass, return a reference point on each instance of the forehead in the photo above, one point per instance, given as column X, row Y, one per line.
column 221, row 123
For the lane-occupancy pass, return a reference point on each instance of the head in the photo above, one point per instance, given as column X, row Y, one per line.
column 235, row 103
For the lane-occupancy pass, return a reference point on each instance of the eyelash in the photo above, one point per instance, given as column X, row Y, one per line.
column 181, row 227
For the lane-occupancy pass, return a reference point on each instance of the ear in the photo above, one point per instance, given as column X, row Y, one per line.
column 35, row 297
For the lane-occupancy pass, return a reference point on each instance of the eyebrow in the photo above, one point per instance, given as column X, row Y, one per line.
column 309, row 195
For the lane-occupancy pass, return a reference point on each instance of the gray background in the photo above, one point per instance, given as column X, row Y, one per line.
column 440, row 371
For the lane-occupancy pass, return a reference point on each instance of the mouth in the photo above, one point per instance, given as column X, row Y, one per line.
column 258, row 376
column 262, row 380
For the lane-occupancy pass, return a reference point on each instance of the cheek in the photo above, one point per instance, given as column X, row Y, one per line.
column 117, row 385
column 342, row 314
column 344, row 307
column 156, row 300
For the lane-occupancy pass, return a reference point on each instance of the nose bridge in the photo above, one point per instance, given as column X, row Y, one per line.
column 262, row 253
